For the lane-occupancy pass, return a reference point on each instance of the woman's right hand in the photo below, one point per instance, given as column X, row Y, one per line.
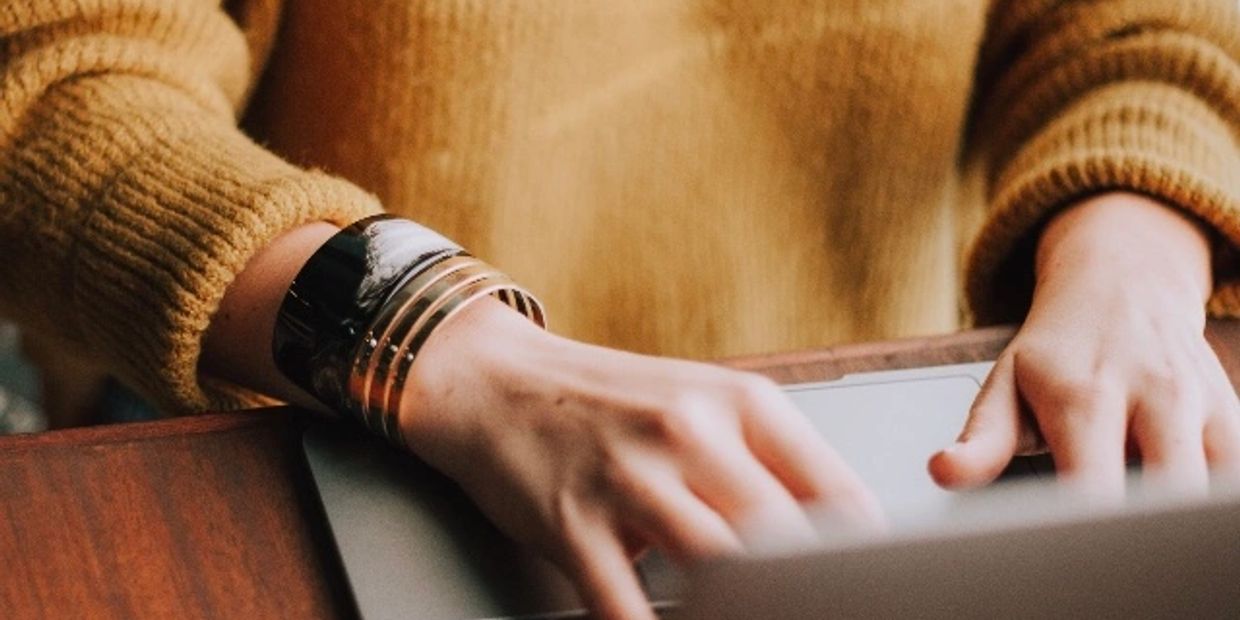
column 593, row 455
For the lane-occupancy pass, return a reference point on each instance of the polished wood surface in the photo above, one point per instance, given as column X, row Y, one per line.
column 970, row 346
column 215, row 516
column 210, row 516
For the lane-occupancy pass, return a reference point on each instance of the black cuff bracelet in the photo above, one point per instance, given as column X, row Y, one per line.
column 338, row 292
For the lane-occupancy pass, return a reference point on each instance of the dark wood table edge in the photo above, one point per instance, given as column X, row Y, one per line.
column 973, row 345
column 791, row 367
column 127, row 432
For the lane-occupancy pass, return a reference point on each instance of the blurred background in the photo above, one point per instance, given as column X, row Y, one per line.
column 19, row 387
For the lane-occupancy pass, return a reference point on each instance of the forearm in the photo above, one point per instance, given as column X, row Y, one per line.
column 131, row 197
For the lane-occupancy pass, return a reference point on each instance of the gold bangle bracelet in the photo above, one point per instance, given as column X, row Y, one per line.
column 477, row 289
column 437, row 294
column 377, row 332
column 393, row 339
column 408, row 303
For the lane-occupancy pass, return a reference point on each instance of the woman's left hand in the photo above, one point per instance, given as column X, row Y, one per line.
column 1111, row 361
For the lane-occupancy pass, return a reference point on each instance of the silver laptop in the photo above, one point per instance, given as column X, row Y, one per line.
column 413, row 546
column 1027, row 550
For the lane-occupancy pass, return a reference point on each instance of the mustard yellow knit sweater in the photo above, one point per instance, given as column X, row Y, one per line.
column 700, row 178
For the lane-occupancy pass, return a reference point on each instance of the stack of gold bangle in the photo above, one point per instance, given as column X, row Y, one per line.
column 393, row 339
column 364, row 304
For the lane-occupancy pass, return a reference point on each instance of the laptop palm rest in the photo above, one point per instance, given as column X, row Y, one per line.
column 412, row 543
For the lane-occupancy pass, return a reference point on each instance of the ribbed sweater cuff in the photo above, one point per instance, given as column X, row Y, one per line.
column 1144, row 137
column 168, row 235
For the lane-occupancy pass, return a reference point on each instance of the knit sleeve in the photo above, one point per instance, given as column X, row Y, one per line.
column 128, row 198
column 1076, row 98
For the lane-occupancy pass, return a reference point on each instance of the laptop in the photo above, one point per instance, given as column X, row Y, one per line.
column 413, row 546
column 1024, row 550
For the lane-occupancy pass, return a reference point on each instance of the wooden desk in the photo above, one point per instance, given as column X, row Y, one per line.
column 215, row 516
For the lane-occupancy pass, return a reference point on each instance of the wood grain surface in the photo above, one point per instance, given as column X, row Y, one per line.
column 211, row 516
column 215, row 516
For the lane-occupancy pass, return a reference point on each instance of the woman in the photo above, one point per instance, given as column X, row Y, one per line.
column 696, row 179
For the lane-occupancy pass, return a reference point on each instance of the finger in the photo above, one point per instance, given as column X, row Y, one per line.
column 1221, row 439
column 990, row 435
column 1221, row 433
column 667, row 513
column 1172, row 449
column 1086, row 436
column 605, row 576
column 729, row 478
column 785, row 442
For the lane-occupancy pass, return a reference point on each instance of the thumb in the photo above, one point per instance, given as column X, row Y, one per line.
column 990, row 436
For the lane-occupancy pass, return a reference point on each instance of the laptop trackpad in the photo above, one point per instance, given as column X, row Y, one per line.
column 887, row 430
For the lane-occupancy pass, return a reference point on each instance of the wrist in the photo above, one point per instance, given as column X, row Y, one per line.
column 360, row 310
column 1125, row 238
column 477, row 352
column 247, row 315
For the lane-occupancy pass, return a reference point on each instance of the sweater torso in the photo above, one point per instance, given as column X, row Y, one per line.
column 698, row 178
